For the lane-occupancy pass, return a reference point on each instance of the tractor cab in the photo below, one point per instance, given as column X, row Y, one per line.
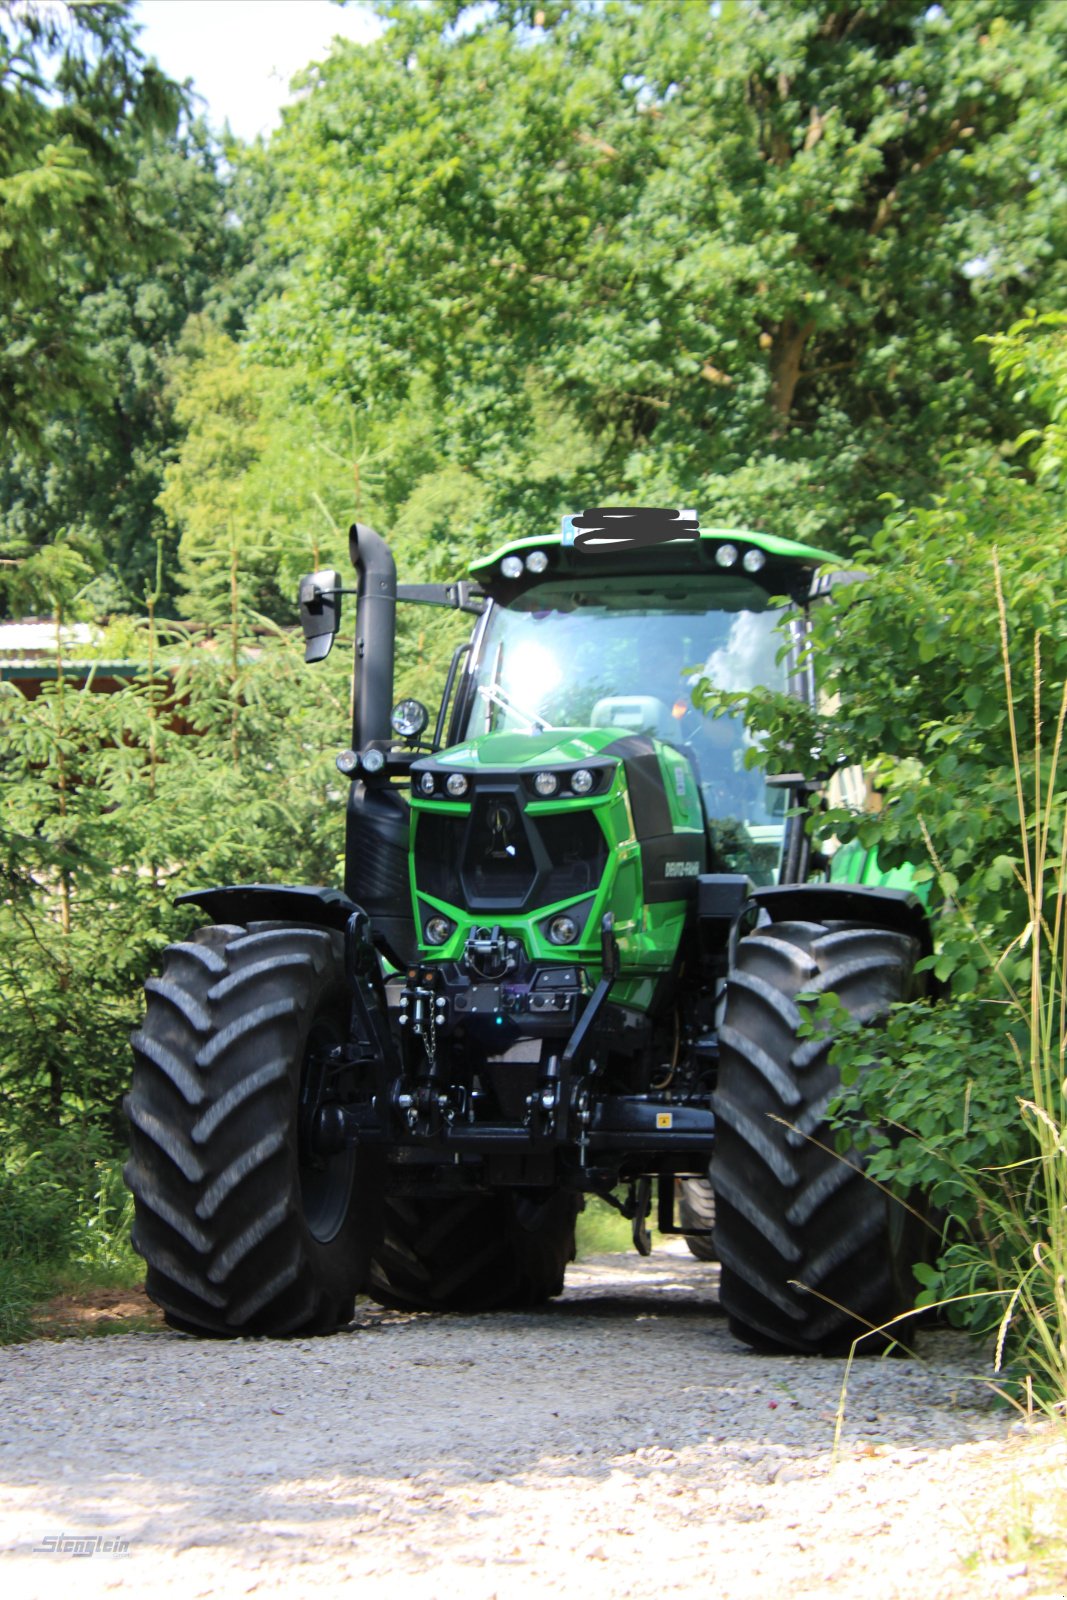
column 630, row 652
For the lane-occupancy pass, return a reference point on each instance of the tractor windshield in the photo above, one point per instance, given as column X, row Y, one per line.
column 629, row 657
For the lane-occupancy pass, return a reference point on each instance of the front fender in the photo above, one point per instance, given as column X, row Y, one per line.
column 272, row 902
column 897, row 909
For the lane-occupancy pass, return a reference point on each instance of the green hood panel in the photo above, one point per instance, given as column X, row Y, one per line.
column 521, row 752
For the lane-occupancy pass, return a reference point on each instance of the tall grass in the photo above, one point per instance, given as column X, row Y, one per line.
column 1038, row 1215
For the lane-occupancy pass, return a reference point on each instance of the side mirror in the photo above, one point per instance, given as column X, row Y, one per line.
column 320, row 612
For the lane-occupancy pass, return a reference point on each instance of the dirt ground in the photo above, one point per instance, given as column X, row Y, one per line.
column 619, row 1443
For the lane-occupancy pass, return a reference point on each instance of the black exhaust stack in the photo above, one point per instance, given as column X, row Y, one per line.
column 377, row 832
column 375, row 635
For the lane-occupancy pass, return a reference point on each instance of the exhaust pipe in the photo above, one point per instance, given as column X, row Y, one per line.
column 375, row 635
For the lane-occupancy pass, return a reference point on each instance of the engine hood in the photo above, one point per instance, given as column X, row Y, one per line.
column 522, row 751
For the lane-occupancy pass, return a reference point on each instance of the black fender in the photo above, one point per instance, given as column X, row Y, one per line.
column 320, row 906
column 897, row 909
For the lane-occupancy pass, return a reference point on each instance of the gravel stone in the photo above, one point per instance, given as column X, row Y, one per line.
column 618, row 1440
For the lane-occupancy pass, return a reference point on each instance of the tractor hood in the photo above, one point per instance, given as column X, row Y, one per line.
column 522, row 752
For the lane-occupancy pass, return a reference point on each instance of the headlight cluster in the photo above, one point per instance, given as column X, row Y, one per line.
column 513, row 566
column 545, row 785
column 728, row 555
column 581, row 781
column 455, row 785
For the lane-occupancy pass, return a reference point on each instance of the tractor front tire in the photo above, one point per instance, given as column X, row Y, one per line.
column 504, row 1250
column 813, row 1254
column 243, row 1228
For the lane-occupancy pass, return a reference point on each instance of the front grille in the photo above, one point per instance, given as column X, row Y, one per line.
column 499, row 858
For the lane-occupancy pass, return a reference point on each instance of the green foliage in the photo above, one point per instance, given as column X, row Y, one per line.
column 212, row 767
column 1032, row 356
column 748, row 251
column 261, row 470
column 78, row 104
column 63, row 1208
column 962, row 720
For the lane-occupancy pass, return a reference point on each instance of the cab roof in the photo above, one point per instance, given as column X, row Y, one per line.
column 617, row 541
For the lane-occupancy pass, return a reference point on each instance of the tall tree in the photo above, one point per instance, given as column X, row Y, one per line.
column 749, row 247
column 77, row 100
column 94, row 464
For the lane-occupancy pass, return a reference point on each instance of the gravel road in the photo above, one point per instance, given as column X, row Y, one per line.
column 619, row 1443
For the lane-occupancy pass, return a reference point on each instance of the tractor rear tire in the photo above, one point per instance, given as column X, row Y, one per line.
column 481, row 1252
column 696, row 1210
column 813, row 1254
column 244, row 1230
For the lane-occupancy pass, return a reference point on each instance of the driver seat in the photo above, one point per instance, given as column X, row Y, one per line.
column 636, row 713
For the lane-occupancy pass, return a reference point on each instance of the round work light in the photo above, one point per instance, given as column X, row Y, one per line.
column 408, row 718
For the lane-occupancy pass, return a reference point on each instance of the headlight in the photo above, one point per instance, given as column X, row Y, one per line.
column 438, row 930
column 726, row 555
column 546, row 783
column 408, row 718
column 427, row 783
column 456, row 784
column 511, row 567
column 563, row 930
column 582, row 780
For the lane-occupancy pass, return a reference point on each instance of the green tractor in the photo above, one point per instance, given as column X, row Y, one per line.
column 568, row 960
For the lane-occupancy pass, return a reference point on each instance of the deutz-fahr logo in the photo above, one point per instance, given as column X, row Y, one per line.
column 628, row 528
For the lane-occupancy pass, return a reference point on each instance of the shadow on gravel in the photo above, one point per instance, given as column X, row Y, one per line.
column 183, row 1442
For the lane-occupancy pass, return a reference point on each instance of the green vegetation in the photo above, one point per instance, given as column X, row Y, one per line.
column 962, row 726
column 504, row 262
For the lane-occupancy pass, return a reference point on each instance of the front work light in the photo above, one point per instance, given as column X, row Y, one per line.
column 511, row 567
column 408, row 718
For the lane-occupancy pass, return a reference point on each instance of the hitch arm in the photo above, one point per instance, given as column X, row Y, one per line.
column 577, row 1044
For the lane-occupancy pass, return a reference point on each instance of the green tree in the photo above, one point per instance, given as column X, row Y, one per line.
column 747, row 248
column 77, row 103
column 97, row 466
